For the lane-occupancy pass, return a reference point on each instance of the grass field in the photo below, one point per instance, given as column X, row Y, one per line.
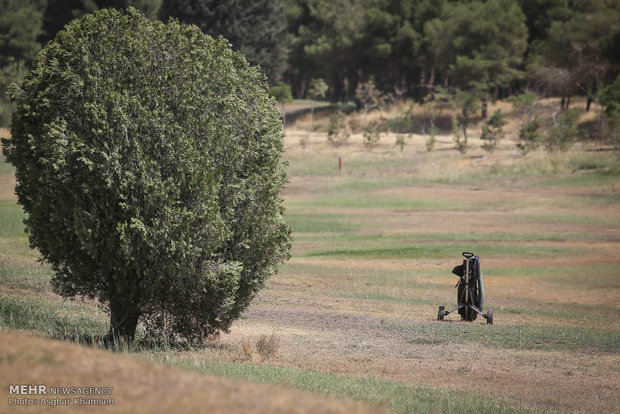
column 354, row 311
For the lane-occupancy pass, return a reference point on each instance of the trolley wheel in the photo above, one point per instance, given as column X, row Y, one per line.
column 490, row 317
column 441, row 313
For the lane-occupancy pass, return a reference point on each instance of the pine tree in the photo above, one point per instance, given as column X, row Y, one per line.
column 256, row 28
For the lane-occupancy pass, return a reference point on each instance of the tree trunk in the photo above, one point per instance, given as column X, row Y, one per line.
column 431, row 80
column 337, row 88
column 395, row 76
column 423, row 90
column 302, row 89
column 124, row 315
column 588, row 103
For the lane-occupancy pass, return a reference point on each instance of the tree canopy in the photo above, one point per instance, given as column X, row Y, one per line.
column 148, row 162
column 409, row 47
column 579, row 52
column 479, row 44
column 256, row 28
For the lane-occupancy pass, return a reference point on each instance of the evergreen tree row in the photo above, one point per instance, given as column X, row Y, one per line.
column 408, row 47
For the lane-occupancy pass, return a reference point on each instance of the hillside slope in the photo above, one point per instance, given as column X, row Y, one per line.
column 139, row 386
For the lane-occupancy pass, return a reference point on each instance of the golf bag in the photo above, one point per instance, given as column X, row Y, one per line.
column 470, row 291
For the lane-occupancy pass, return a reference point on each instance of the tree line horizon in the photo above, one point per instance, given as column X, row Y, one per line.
column 494, row 48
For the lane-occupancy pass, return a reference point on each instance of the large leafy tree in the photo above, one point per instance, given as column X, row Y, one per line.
column 256, row 28
column 148, row 161
column 580, row 51
column 346, row 42
column 329, row 36
column 390, row 37
column 394, row 46
column 479, row 45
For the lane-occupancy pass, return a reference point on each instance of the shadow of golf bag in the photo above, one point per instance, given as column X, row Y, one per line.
column 470, row 291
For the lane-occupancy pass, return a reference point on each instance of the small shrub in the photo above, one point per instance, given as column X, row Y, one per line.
column 432, row 138
column 400, row 141
column 610, row 100
column 303, row 141
column 267, row 346
column 523, row 104
column 402, row 123
column 337, row 131
column 246, row 346
column 530, row 135
column 459, row 141
column 564, row 132
column 372, row 132
column 356, row 124
column 492, row 130
column 369, row 96
column 318, row 89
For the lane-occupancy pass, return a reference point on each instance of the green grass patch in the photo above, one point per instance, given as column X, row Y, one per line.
column 447, row 249
column 18, row 274
column 5, row 167
column 375, row 296
column 563, row 311
column 559, row 218
column 11, row 220
column 321, row 223
column 355, row 199
column 54, row 318
column 590, row 179
column 580, row 277
column 395, row 396
column 17, row 247
column 513, row 337
column 470, row 237
column 367, row 277
column 314, row 165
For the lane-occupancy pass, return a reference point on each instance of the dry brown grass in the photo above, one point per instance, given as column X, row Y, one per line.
column 142, row 387
column 266, row 348
column 546, row 107
column 325, row 323
column 322, row 329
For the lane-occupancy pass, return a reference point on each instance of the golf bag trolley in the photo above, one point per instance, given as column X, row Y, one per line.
column 470, row 291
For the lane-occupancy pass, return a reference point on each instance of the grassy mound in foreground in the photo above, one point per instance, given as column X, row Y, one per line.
column 139, row 386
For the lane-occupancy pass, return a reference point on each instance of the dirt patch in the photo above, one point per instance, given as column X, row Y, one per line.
column 317, row 335
column 7, row 186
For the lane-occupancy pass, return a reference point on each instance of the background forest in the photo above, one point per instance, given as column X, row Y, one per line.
column 470, row 51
